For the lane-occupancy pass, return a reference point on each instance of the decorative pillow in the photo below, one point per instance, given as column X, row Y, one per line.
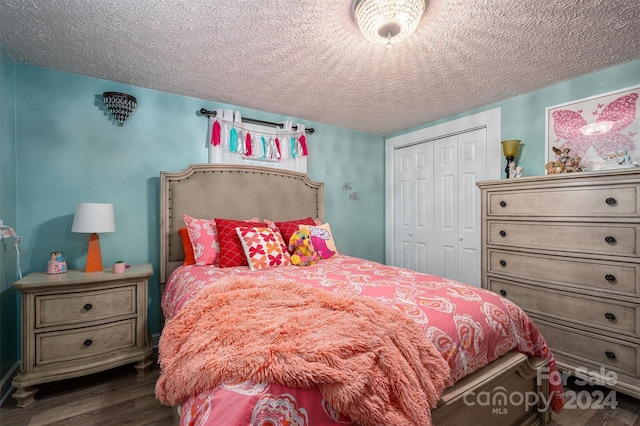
column 187, row 247
column 231, row 251
column 322, row 240
column 263, row 247
column 203, row 234
column 287, row 229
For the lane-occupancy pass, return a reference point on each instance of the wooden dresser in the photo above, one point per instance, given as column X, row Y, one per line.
column 566, row 248
column 79, row 323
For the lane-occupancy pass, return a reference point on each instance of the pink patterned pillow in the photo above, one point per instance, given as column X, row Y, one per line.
column 322, row 240
column 263, row 247
column 204, row 240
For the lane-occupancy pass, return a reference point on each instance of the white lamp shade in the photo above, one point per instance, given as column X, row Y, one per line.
column 94, row 218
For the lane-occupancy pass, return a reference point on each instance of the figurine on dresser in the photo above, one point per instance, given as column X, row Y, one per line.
column 564, row 162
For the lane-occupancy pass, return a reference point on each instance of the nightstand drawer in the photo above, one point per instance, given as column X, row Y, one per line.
column 597, row 239
column 589, row 312
column 612, row 277
column 82, row 307
column 61, row 346
column 567, row 202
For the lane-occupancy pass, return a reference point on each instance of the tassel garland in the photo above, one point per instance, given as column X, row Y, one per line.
column 227, row 134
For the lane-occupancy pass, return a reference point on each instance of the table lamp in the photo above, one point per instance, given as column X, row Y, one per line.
column 510, row 150
column 93, row 218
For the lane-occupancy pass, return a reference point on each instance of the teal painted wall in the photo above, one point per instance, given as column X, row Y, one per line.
column 68, row 151
column 523, row 117
column 9, row 326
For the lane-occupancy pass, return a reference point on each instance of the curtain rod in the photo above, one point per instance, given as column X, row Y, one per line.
column 208, row 113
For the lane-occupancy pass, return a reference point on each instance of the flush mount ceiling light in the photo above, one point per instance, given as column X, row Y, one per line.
column 388, row 21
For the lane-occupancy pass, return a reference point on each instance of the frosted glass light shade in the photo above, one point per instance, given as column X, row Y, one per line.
column 510, row 147
column 388, row 21
column 94, row 218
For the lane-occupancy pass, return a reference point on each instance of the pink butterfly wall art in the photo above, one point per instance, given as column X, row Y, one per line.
column 595, row 128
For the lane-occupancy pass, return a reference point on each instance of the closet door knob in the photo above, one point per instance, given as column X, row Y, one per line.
column 503, row 293
column 611, row 201
column 503, row 263
column 87, row 306
column 610, row 316
column 503, row 204
column 610, row 278
column 610, row 355
column 610, row 240
column 503, row 234
column 88, row 342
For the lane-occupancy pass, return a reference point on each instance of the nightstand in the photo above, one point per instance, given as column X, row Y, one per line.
column 79, row 323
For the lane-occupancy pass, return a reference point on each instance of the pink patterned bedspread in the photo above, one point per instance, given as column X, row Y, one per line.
column 470, row 327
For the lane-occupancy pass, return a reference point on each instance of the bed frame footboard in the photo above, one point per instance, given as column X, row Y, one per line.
column 512, row 390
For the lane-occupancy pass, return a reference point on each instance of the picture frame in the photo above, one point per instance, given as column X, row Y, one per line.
column 598, row 129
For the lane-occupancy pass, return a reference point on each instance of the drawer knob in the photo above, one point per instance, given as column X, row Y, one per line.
column 503, row 204
column 503, row 263
column 87, row 306
column 611, row 201
column 610, row 240
column 610, row 316
column 610, row 278
column 88, row 342
column 610, row 355
column 503, row 234
column 503, row 293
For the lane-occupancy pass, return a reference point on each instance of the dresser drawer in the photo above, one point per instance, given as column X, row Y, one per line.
column 608, row 315
column 82, row 307
column 61, row 346
column 613, row 277
column 567, row 202
column 598, row 239
column 614, row 354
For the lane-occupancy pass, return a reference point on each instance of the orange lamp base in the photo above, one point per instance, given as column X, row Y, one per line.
column 94, row 256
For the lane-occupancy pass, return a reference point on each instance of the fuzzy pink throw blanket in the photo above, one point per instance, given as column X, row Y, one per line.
column 369, row 361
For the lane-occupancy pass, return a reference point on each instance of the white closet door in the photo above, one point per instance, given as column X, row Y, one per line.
column 445, row 208
column 472, row 157
column 437, row 228
column 413, row 183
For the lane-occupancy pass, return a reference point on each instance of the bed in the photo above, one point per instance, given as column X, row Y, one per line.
column 498, row 365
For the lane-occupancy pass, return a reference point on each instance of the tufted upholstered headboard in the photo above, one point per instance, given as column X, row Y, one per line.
column 208, row 191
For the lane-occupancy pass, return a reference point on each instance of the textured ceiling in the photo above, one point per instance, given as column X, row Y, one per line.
column 307, row 58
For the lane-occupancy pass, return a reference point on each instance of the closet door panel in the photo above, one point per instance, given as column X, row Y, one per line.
column 446, row 206
column 472, row 153
column 413, row 225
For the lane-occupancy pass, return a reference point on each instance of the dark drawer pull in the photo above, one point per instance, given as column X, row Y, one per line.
column 610, row 355
column 610, row 316
column 503, row 263
column 87, row 306
column 503, row 234
column 503, row 293
column 610, row 240
column 610, row 278
column 503, row 204
column 88, row 342
column 611, row 201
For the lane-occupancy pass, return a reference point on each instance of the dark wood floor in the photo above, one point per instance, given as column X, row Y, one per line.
column 110, row 398
column 115, row 398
